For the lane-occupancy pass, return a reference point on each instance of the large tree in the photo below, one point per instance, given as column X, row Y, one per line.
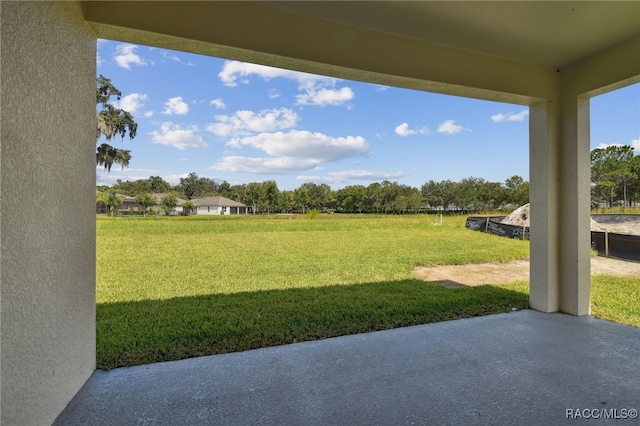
column 112, row 121
column 517, row 190
column 613, row 171
column 169, row 203
column 145, row 201
column 194, row 186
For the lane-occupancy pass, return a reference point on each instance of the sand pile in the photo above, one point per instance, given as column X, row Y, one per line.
column 520, row 217
column 595, row 226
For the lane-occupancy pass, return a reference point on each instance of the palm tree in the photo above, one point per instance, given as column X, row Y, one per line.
column 110, row 199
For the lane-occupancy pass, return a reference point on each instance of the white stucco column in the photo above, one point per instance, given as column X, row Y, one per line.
column 544, row 157
column 609, row 70
column 560, row 178
column 47, row 209
column 575, row 206
column 560, row 204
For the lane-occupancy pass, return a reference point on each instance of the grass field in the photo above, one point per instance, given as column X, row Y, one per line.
column 179, row 287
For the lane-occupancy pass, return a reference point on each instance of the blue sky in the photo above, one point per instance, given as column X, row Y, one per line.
column 242, row 123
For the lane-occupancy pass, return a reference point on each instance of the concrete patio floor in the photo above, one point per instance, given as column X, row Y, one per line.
column 523, row 367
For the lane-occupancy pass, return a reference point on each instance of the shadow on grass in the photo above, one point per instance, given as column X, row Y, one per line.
column 132, row 333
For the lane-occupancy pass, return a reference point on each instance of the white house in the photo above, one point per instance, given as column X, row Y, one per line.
column 218, row 206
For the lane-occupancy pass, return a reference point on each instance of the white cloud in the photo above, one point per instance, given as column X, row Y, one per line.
column 317, row 90
column 324, row 97
column 173, row 135
column 605, row 145
column 635, row 144
column 218, row 103
column 291, row 152
column 126, row 56
column 176, row 106
column 244, row 123
column 450, row 127
column 148, row 114
column 317, row 147
column 131, row 103
column 263, row 165
column 348, row 175
column 273, row 94
column 403, row 130
column 105, row 178
column 498, row 118
column 170, row 56
column 231, row 70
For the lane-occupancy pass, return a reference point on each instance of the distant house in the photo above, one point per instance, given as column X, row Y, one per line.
column 159, row 207
column 218, row 206
column 128, row 203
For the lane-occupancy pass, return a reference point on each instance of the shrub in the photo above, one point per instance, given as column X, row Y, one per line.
column 313, row 214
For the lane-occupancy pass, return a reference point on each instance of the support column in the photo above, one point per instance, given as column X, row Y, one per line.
column 47, row 204
column 575, row 206
column 544, row 159
column 560, row 205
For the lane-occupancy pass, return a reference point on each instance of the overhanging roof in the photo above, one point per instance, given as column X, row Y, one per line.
column 547, row 33
column 504, row 51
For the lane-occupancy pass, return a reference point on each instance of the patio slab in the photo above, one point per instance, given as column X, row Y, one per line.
column 524, row 367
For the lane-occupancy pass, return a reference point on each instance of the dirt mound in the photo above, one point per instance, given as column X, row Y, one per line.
column 595, row 226
column 519, row 216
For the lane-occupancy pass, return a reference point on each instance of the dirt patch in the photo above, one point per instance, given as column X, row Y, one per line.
column 503, row 273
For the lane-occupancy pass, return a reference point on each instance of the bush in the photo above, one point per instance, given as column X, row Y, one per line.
column 313, row 214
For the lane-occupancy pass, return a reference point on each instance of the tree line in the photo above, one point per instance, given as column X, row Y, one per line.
column 615, row 176
column 615, row 180
column 468, row 195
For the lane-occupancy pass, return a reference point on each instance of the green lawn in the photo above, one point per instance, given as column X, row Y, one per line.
column 179, row 287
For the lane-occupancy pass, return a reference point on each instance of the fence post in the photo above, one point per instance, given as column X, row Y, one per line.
column 606, row 243
column 486, row 224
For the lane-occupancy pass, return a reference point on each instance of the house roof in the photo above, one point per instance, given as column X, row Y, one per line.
column 216, row 201
column 127, row 198
column 159, row 196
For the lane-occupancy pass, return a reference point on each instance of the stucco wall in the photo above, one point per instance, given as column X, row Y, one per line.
column 47, row 211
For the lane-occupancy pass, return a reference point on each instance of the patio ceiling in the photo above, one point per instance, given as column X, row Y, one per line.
column 547, row 33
